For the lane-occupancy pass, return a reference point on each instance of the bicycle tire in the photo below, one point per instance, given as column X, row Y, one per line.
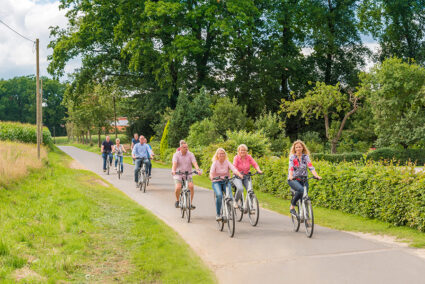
column 253, row 207
column 119, row 171
column 230, row 218
column 220, row 224
column 308, row 219
column 181, row 204
column 296, row 221
column 144, row 183
column 239, row 211
column 107, row 166
column 188, row 208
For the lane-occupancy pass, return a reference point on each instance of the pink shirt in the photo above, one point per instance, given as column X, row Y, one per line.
column 244, row 165
column 184, row 162
column 221, row 169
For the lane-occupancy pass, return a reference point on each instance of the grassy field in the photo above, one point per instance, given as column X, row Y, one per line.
column 17, row 159
column 325, row 217
column 67, row 225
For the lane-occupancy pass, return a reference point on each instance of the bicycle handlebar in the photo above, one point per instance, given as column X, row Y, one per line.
column 249, row 174
column 225, row 178
column 303, row 178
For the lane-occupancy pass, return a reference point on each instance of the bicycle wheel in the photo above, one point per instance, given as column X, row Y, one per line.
column 220, row 224
column 119, row 171
column 308, row 218
column 107, row 166
column 230, row 218
column 181, row 204
column 296, row 221
column 144, row 182
column 147, row 182
column 253, row 210
column 140, row 180
column 239, row 210
column 188, row 211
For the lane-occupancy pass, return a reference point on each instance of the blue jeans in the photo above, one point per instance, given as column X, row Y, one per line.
column 150, row 167
column 219, row 187
column 298, row 187
column 139, row 166
column 121, row 162
column 104, row 156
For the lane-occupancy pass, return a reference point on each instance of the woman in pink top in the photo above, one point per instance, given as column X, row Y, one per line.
column 219, row 169
column 243, row 163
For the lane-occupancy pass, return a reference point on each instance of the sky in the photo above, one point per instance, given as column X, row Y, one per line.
column 31, row 18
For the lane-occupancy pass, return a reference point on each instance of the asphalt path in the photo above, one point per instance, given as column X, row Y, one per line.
column 270, row 252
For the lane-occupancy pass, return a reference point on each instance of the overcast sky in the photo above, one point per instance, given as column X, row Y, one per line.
column 32, row 18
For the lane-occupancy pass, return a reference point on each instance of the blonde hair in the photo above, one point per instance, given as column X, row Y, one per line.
column 117, row 140
column 242, row 146
column 215, row 158
column 305, row 149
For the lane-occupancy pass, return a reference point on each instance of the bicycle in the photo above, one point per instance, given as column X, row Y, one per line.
column 304, row 211
column 185, row 196
column 252, row 207
column 226, row 208
column 119, row 168
column 142, row 178
column 108, row 163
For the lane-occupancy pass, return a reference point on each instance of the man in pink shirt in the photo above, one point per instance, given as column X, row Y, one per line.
column 183, row 161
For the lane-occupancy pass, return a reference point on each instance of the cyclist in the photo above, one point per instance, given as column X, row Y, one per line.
column 141, row 152
column 183, row 161
column 220, row 168
column 106, row 150
column 299, row 161
column 134, row 141
column 150, row 162
column 243, row 163
column 119, row 150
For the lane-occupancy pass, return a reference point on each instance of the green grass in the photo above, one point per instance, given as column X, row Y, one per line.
column 63, row 224
column 325, row 217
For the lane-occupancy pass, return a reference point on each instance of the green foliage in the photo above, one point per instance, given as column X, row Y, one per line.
column 164, row 141
column 396, row 92
column 186, row 113
column 26, row 133
column 312, row 141
column 404, row 156
column 258, row 144
column 336, row 158
column 388, row 193
column 272, row 127
column 202, row 133
column 228, row 115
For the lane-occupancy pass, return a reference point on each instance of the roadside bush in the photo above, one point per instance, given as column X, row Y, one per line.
column 336, row 158
column 164, row 142
column 228, row 115
column 23, row 132
column 388, row 193
column 202, row 133
column 270, row 125
column 257, row 143
column 403, row 156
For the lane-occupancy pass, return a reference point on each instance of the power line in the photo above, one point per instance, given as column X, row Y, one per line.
column 33, row 41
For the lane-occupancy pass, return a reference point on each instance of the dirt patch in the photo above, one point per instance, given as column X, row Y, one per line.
column 25, row 273
column 97, row 181
column 76, row 165
column 389, row 240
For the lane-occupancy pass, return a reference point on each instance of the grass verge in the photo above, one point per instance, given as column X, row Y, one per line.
column 325, row 217
column 62, row 224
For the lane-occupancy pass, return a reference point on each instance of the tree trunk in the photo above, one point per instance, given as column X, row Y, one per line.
column 334, row 143
column 98, row 137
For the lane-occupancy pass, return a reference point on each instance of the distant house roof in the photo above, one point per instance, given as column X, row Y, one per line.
column 121, row 122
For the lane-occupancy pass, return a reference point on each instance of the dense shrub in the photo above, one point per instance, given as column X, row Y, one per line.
column 27, row 133
column 258, row 144
column 336, row 158
column 403, row 156
column 228, row 115
column 388, row 193
column 271, row 126
column 202, row 133
column 164, row 141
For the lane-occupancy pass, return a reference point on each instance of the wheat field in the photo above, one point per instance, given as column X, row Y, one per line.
column 16, row 159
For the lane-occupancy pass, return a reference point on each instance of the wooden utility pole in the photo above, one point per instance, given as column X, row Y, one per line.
column 37, row 44
column 115, row 119
column 41, row 111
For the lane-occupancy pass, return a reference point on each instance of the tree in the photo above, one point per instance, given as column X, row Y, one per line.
column 327, row 102
column 396, row 92
column 398, row 25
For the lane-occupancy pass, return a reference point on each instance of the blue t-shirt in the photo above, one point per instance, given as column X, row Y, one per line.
column 134, row 141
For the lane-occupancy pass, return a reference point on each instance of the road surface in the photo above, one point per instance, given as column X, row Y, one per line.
column 270, row 252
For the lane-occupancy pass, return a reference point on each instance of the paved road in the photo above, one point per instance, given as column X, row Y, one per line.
column 271, row 252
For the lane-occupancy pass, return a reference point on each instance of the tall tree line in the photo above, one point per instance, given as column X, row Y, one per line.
column 257, row 51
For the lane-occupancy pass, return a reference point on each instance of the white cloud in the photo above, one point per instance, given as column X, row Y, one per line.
column 31, row 18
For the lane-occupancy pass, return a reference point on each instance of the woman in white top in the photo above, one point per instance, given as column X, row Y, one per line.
column 119, row 150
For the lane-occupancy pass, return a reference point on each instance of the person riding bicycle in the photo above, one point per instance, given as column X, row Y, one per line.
column 243, row 163
column 119, row 150
column 183, row 161
column 106, row 150
column 134, row 141
column 220, row 168
column 141, row 152
column 150, row 162
column 299, row 161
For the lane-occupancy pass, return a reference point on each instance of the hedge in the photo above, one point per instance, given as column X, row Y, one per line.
column 348, row 157
column 21, row 132
column 389, row 193
column 416, row 156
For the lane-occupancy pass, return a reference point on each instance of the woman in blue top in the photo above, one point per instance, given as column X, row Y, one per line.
column 299, row 161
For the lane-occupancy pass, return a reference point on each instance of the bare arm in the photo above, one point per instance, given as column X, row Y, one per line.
column 173, row 169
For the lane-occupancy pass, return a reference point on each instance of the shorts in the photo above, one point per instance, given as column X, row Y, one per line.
column 179, row 181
